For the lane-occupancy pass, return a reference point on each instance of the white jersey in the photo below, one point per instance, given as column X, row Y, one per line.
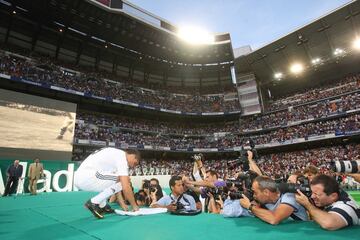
column 109, row 160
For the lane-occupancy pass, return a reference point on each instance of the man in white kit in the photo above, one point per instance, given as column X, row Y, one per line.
column 107, row 171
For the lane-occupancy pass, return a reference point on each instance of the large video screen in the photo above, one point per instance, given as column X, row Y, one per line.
column 36, row 123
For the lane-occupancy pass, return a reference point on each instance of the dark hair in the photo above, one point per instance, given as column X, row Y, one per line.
column 138, row 196
column 266, row 183
column 311, row 169
column 329, row 183
column 173, row 179
column 134, row 152
column 212, row 173
column 141, row 191
column 156, row 180
column 298, row 173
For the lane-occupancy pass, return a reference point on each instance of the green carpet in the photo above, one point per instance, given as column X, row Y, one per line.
column 62, row 216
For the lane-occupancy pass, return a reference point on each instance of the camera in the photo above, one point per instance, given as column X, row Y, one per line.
column 241, row 185
column 346, row 166
column 242, row 160
column 303, row 185
column 197, row 157
column 216, row 192
column 179, row 206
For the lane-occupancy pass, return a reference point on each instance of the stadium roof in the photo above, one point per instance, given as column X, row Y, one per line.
column 128, row 26
column 123, row 35
column 313, row 46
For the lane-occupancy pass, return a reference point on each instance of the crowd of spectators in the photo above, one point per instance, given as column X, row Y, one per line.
column 276, row 165
column 317, row 110
column 347, row 84
column 271, row 165
column 143, row 132
column 94, row 83
column 289, row 162
column 48, row 71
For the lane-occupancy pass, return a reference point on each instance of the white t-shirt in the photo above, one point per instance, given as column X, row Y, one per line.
column 110, row 160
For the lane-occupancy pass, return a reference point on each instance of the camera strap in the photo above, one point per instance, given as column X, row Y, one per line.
column 179, row 198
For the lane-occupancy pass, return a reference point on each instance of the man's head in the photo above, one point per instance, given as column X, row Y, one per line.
column 16, row 162
column 176, row 185
column 265, row 190
column 133, row 157
column 310, row 172
column 36, row 160
column 211, row 176
column 325, row 190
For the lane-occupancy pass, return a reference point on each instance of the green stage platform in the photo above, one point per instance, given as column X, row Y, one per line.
column 62, row 216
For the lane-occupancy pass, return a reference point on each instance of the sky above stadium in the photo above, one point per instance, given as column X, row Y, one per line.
column 249, row 22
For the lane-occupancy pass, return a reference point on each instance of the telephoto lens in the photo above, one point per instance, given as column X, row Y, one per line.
column 346, row 166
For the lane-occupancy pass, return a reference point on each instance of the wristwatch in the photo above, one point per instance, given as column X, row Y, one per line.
column 251, row 206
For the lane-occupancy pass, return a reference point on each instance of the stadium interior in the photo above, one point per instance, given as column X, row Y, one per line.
column 80, row 75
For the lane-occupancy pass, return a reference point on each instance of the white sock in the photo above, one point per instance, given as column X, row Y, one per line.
column 106, row 193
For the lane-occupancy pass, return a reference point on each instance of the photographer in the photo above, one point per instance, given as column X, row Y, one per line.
column 177, row 200
column 241, row 185
column 232, row 208
column 333, row 208
column 154, row 183
column 152, row 190
column 272, row 206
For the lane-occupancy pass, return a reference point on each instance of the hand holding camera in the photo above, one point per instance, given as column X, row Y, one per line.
column 245, row 201
column 172, row 207
column 302, row 199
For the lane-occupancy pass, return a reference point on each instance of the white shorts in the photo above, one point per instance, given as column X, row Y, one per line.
column 94, row 181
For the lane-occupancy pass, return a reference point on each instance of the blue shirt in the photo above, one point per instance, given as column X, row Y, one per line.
column 232, row 208
column 289, row 199
column 187, row 200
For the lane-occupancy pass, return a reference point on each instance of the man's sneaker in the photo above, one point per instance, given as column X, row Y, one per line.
column 107, row 209
column 94, row 209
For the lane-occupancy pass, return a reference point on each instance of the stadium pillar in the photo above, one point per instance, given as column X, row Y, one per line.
column 35, row 36
column 146, row 76
column 81, row 46
column 165, row 76
column 219, row 75
column 60, row 39
column 97, row 59
column 8, row 29
column 200, row 79
column 115, row 64
column 131, row 72
column 182, row 80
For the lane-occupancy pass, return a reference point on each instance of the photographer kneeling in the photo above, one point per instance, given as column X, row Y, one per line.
column 271, row 205
column 177, row 200
column 333, row 208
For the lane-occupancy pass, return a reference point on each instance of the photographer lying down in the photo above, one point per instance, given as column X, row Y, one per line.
column 271, row 205
column 332, row 208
